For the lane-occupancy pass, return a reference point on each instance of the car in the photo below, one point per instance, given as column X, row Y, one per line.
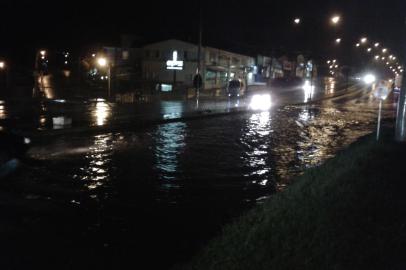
column 13, row 147
column 235, row 88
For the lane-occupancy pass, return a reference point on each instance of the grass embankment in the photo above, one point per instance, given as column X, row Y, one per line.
column 349, row 213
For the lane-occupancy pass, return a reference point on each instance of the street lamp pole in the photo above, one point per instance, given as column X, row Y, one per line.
column 400, row 133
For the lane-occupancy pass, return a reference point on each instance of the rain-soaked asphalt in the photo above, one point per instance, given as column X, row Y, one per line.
column 157, row 195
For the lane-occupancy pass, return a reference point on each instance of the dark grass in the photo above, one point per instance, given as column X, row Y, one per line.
column 349, row 213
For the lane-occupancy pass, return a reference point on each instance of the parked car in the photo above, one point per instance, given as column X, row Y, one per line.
column 12, row 148
column 235, row 88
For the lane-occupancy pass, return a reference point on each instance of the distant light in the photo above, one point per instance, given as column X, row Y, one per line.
column 335, row 19
column 357, row 45
column 331, row 67
column 383, row 58
column 334, row 61
column 338, row 40
column 102, row 61
column 42, row 57
column 93, row 55
column 27, row 141
column 66, row 62
column 376, row 44
column 2, row 65
column 336, row 66
column 387, row 63
column 384, row 50
column 369, row 50
column 369, row 78
column 394, row 58
column 328, row 62
column 297, row 20
column 364, row 40
column 377, row 57
column 43, row 52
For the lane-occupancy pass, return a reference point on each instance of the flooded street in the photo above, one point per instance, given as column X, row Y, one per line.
column 165, row 190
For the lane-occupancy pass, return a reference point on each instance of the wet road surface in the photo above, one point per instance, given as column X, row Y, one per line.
column 115, row 199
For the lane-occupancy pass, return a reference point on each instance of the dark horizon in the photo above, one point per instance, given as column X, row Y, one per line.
column 259, row 28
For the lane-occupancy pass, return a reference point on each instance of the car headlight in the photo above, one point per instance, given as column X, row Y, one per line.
column 261, row 102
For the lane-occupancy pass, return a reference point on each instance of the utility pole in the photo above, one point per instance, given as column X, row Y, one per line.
column 198, row 78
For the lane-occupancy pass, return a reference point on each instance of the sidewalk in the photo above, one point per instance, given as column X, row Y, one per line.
column 349, row 213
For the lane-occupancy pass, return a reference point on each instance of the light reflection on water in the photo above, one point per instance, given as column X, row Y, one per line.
column 169, row 143
column 97, row 170
column 101, row 112
column 257, row 142
column 308, row 90
column 171, row 109
column 3, row 112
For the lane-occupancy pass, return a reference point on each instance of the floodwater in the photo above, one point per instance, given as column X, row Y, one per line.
column 166, row 190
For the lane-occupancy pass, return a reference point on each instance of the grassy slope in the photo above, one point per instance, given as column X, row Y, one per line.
column 350, row 213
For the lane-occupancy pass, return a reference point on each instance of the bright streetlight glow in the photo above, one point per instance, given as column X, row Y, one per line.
column 376, row 44
column 369, row 50
column 369, row 78
column 334, row 61
column 335, row 19
column 43, row 52
column 338, row 40
column 297, row 20
column 2, row 65
column 364, row 40
column 328, row 62
column 357, row 45
column 384, row 50
column 102, row 61
column 376, row 57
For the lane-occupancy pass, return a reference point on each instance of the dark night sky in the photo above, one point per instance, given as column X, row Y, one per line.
column 241, row 26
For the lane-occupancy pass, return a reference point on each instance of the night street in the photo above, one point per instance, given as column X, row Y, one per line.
column 203, row 135
column 167, row 189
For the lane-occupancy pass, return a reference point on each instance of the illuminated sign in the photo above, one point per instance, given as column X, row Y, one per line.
column 174, row 63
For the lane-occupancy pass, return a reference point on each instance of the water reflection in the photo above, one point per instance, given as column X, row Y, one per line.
column 257, row 142
column 330, row 86
column 3, row 112
column 170, row 141
column 101, row 112
column 98, row 167
column 171, row 109
column 308, row 89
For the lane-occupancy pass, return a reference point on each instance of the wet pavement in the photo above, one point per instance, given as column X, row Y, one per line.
column 118, row 198
column 62, row 111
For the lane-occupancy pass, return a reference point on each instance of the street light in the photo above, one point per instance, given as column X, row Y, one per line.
column 338, row 40
column 376, row 45
column 364, row 40
column 369, row 50
column 335, row 19
column 357, row 45
column 384, row 50
column 103, row 62
column 297, row 20
column 2, row 65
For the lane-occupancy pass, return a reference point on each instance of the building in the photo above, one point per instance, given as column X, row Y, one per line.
column 217, row 66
